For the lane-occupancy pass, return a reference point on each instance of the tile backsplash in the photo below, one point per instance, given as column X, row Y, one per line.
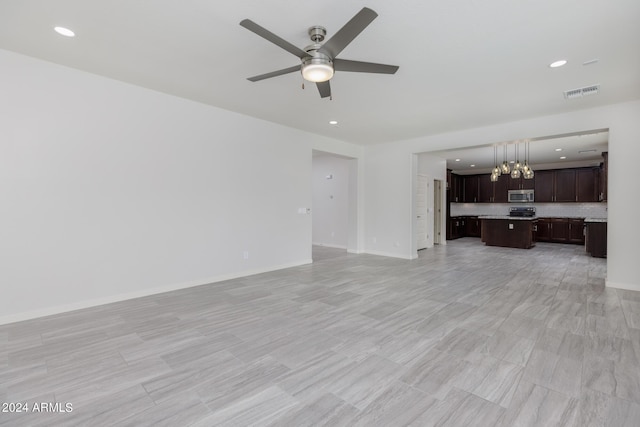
column 580, row 210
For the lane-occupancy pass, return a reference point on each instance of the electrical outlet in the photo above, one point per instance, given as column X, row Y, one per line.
column 374, row 240
column 245, row 254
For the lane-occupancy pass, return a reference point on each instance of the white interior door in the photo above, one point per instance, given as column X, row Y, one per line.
column 422, row 234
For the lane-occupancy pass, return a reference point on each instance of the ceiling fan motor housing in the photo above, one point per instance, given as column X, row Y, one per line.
column 317, row 33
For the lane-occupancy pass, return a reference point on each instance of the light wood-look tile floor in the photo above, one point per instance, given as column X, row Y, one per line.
column 466, row 335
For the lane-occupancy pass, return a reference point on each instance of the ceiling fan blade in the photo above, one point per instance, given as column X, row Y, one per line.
column 363, row 67
column 324, row 88
column 274, row 73
column 268, row 35
column 350, row 31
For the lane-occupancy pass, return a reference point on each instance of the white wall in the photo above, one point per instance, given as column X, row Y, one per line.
column 330, row 216
column 389, row 169
column 110, row 191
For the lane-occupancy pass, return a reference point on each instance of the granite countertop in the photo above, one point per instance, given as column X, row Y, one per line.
column 516, row 218
column 595, row 220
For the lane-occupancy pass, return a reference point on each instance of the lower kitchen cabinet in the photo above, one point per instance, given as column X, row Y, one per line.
column 596, row 239
column 463, row 226
column 576, row 231
column 560, row 230
column 472, row 228
column 456, row 227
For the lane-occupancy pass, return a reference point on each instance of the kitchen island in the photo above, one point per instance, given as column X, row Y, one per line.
column 507, row 231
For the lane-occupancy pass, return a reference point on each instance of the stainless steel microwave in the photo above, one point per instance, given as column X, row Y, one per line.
column 521, row 196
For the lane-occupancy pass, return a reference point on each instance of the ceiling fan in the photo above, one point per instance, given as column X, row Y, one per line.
column 318, row 60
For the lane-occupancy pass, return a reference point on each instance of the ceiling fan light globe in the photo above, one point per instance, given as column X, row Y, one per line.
column 317, row 72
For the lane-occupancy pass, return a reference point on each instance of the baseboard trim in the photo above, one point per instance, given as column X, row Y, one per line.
column 387, row 254
column 81, row 305
column 625, row 286
column 328, row 245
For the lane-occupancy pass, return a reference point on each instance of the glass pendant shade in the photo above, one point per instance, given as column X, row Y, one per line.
column 527, row 172
column 494, row 177
column 515, row 173
column 506, row 169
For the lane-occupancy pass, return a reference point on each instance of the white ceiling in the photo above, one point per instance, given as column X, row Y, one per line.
column 463, row 63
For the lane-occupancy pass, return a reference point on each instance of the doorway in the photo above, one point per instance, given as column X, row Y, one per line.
column 334, row 203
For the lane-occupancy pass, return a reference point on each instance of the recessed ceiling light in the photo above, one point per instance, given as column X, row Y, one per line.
column 457, row 160
column 558, row 149
column 557, row 64
column 64, row 31
column 333, row 122
column 512, row 161
column 473, row 166
column 563, row 157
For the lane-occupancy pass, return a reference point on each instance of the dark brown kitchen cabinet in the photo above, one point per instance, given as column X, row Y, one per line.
column 543, row 230
column 596, row 239
column 587, row 184
column 470, row 189
column 544, row 182
column 528, row 184
column 455, row 187
column 501, row 189
column 520, row 183
column 456, row 227
column 565, row 185
column 485, row 189
column 576, row 230
column 472, row 228
column 560, row 230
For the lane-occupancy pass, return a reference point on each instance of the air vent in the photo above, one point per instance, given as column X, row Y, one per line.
column 580, row 92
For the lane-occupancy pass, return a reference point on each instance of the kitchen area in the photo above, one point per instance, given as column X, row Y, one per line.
column 559, row 203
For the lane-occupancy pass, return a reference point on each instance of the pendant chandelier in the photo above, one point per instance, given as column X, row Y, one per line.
column 518, row 169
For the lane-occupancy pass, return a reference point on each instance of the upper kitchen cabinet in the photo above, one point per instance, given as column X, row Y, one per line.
column 501, row 189
column 587, row 183
column 520, row 183
column 470, row 189
column 486, row 191
column 455, row 187
column 565, row 185
column 544, row 182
